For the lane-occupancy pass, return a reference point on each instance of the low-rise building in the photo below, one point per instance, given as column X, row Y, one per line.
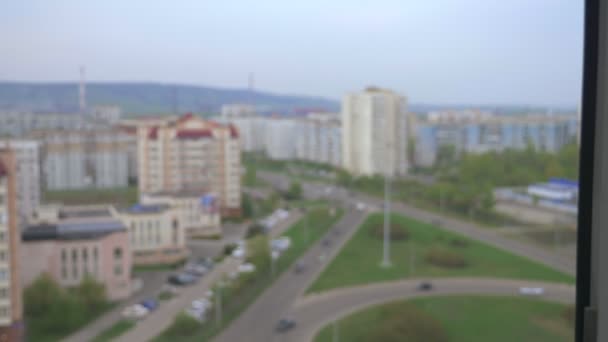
column 199, row 214
column 70, row 243
column 156, row 234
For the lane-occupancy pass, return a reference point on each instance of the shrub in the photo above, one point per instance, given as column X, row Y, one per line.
column 182, row 326
column 445, row 258
column 569, row 314
column 405, row 322
column 254, row 229
column 229, row 248
column 458, row 242
column 397, row 232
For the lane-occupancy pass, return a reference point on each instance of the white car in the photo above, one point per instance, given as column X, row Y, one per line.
column 281, row 244
column 201, row 304
column 531, row 291
column 136, row 311
column 239, row 253
column 197, row 314
column 246, row 268
column 360, row 206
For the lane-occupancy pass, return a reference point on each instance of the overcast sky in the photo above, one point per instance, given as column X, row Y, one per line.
column 438, row 52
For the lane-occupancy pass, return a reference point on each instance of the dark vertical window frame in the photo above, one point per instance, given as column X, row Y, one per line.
column 586, row 163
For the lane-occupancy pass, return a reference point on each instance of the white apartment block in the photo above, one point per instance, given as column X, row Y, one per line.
column 319, row 139
column 105, row 113
column 84, row 159
column 252, row 132
column 190, row 154
column 233, row 111
column 28, row 174
column 280, row 138
column 374, row 133
column 18, row 123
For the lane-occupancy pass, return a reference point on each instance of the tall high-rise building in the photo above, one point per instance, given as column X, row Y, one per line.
column 84, row 159
column 11, row 307
column 28, row 174
column 190, row 154
column 374, row 133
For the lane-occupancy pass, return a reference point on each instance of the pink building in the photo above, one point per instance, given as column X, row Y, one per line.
column 79, row 242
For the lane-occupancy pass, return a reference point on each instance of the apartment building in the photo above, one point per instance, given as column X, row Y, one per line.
column 11, row 306
column 189, row 153
column 233, row 111
column 198, row 214
column 319, row 139
column 84, row 159
column 28, row 174
column 156, row 235
column 17, row 123
column 493, row 133
column 70, row 243
column 374, row 133
column 280, row 138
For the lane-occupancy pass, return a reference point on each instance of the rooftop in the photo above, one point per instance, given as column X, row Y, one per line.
column 146, row 208
column 72, row 230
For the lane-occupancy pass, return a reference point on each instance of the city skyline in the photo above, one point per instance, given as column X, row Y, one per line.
column 450, row 54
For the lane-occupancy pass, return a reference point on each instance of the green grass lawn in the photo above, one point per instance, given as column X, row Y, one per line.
column 114, row 331
column 319, row 222
column 470, row 319
column 121, row 196
column 359, row 261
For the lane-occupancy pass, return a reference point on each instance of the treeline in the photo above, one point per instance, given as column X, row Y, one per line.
column 464, row 184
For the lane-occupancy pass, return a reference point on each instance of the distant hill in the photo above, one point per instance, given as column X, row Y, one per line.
column 150, row 98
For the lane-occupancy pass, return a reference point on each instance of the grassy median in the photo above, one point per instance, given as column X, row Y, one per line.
column 114, row 331
column 423, row 250
column 457, row 319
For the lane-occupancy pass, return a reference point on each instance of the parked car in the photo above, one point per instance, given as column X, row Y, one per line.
column 360, row 206
column 136, row 311
column 239, row 253
column 425, row 286
column 246, row 268
column 285, row 324
column 181, row 279
column 326, row 243
column 206, row 262
column 150, row 304
column 531, row 291
column 201, row 304
column 300, row 267
column 197, row 314
column 196, row 270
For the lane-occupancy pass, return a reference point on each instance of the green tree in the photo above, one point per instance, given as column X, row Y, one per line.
column 41, row 295
column 344, row 178
column 182, row 326
column 247, row 206
column 250, row 175
column 406, row 323
column 411, row 151
column 92, row 293
column 258, row 249
column 294, row 192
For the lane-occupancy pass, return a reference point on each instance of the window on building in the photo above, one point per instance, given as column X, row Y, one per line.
column 4, row 312
column 117, row 253
column 3, row 275
column 118, row 270
column 3, row 292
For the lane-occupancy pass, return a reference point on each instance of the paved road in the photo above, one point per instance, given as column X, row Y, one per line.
column 257, row 322
column 152, row 283
column 315, row 311
column 160, row 320
column 554, row 260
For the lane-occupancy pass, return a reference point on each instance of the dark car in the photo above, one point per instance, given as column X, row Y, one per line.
column 425, row 286
column 300, row 267
column 181, row 279
column 149, row 304
column 285, row 324
column 326, row 243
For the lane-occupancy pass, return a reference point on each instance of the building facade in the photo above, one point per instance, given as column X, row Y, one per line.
column 374, row 133
column 492, row 133
column 11, row 306
column 319, row 139
column 156, row 235
column 28, row 175
column 233, row 111
column 70, row 243
column 191, row 154
column 198, row 214
column 84, row 159
column 15, row 123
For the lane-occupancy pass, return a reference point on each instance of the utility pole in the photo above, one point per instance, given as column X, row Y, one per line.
column 336, row 336
column 218, row 306
column 386, row 261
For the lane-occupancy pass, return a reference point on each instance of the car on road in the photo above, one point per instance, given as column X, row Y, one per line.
column 300, row 267
column 150, row 304
column 285, row 324
column 181, row 279
column 134, row 312
column 326, row 243
column 424, row 286
column 531, row 291
column 360, row 206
